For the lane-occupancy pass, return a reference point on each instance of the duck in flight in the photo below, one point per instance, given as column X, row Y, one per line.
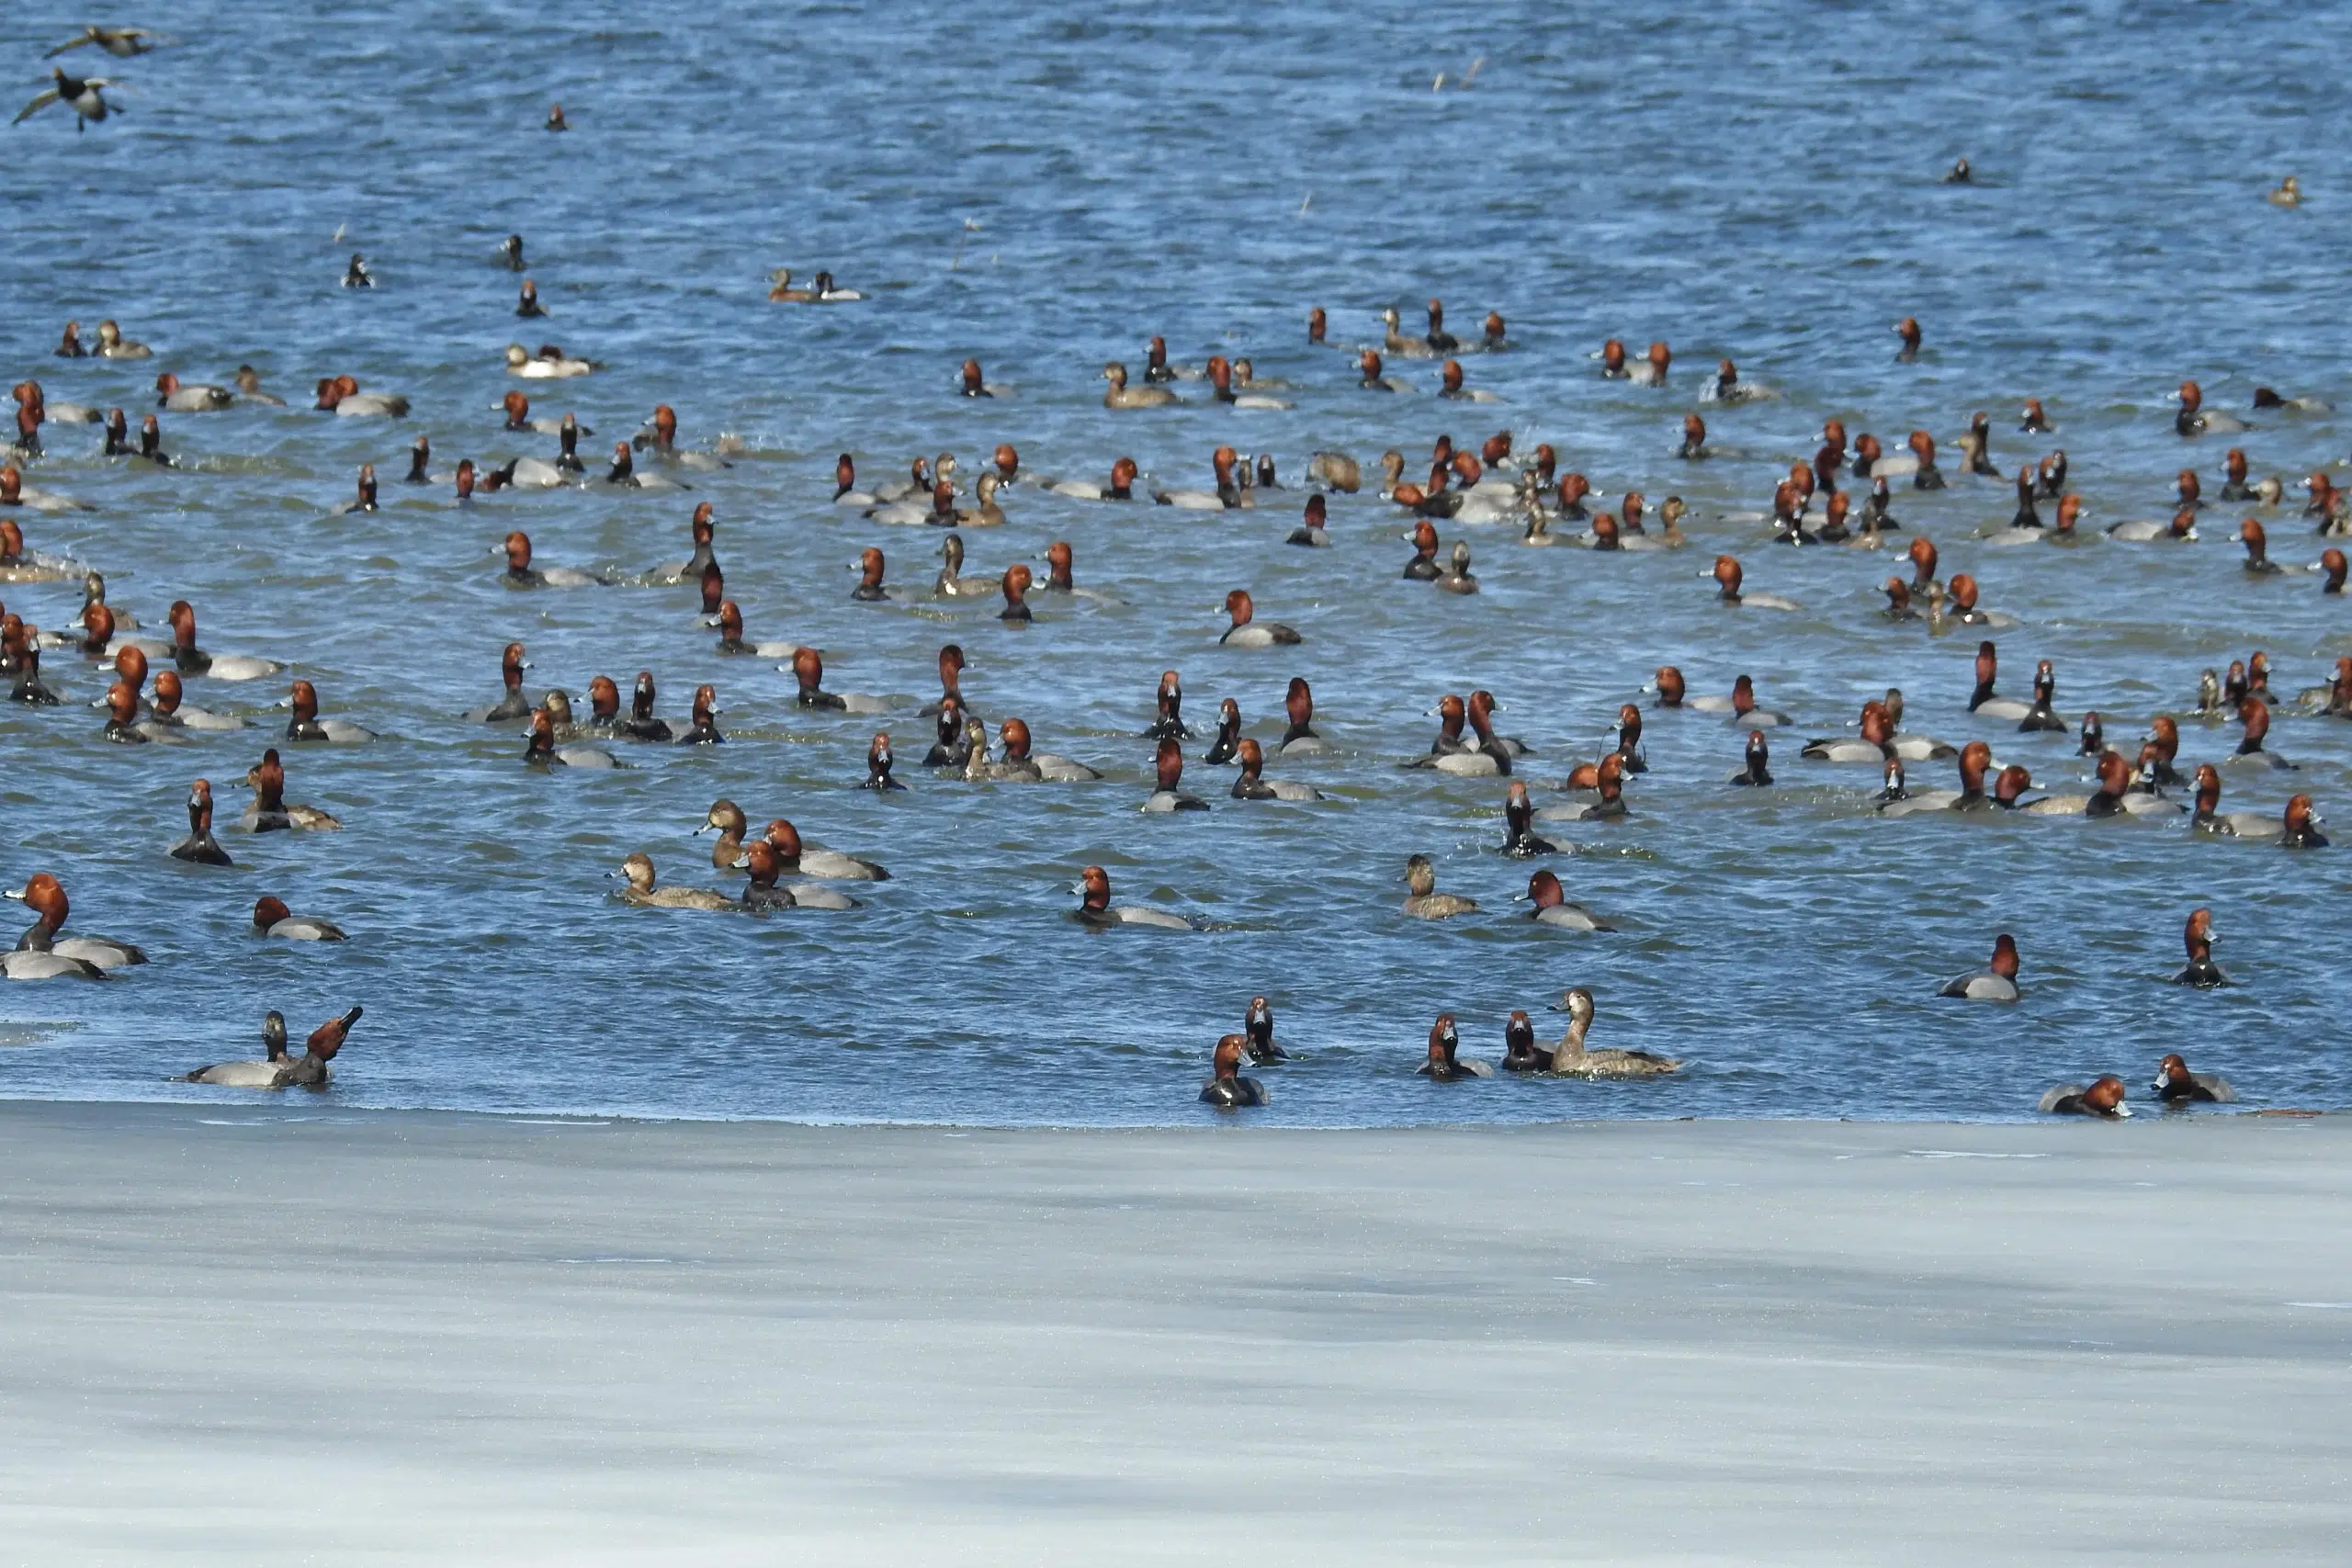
column 81, row 92
column 123, row 43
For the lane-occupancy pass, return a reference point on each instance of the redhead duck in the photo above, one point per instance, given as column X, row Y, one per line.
column 1552, row 907
column 977, row 769
column 1728, row 576
column 2254, row 714
column 306, row 724
column 825, row 865
column 1520, row 1054
column 1975, row 757
column 660, row 434
column 2032, row 421
column 1119, row 395
column 1571, row 1058
column 1121, row 488
column 845, row 491
column 45, row 897
column 341, row 396
column 1394, row 341
column 1299, row 736
column 1606, row 779
column 1369, row 375
column 2177, row 1086
column 201, row 848
column 1227, row 744
column 356, row 276
column 1892, row 788
column 1229, row 492
column 2040, row 716
column 541, row 750
column 1907, row 329
column 1220, row 373
column 1741, row 705
column 179, row 396
column 1757, row 769
column 1727, row 388
column 2199, row 936
column 2235, row 486
column 1443, row 1062
column 1251, row 784
column 2195, row 419
column 1996, row 982
column 2257, row 549
column 517, row 407
column 14, row 494
column 1423, row 567
column 761, row 860
column 2103, row 1098
column 871, row 589
column 2210, row 820
column 2182, row 529
column 1424, row 901
column 1228, row 1088
column 1983, row 701
column 551, row 364
column 526, row 302
column 70, row 346
column 1311, row 531
column 733, row 642
column 1497, row 339
column 809, row 676
column 1652, row 370
column 20, row 565
column 1450, row 386
column 1048, row 766
column 1169, row 770
column 278, row 1070
column 555, row 120
column 624, row 473
column 952, row 665
column 513, row 705
column 1925, row 475
column 640, row 892
column 1874, row 746
column 703, row 531
column 1247, row 632
column 521, row 573
column 30, row 690
column 1258, row 1028
column 703, row 730
column 1096, row 909
column 2300, row 826
column 272, row 919
column 1167, row 721
column 2115, row 796
column 877, row 765
column 1519, row 837
column 122, row 716
column 1438, row 340
column 2265, row 398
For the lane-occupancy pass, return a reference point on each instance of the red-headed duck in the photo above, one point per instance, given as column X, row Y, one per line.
column 1311, row 530
column 541, row 750
column 809, row 677
column 1123, row 473
column 1370, row 375
column 704, row 727
column 1317, row 325
column 2041, row 716
column 2199, row 936
column 2257, row 549
column 1552, row 907
column 272, row 919
column 278, row 1070
column 2267, row 398
column 549, row 363
column 1607, row 778
column 513, row 705
column 2254, row 715
column 1423, row 567
column 1220, row 375
column 1169, row 770
column 1572, row 1058
column 2103, row 1098
column 1519, row 837
column 1997, row 982
column 2177, row 1086
column 1668, row 685
column 1757, row 768
column 1095, row 908
column 1496, row 338
column 1652, row 370
column 2182, row 529
column 1228, row 1088
column 2300, row 826
column 521, row 573
column 1874, row 746
column 306, row 724
column 2331, row 562
column 1258, row 1028
column 182, row 397
column 2032, row 421
column 1251, row 784
column 1299, row 736
column 1246, row 631
column 1424, row 901
column 1228, row 494
column 1925, row 475
column 1728, row 576
column 201, row 848
column 1227, row 746
column 1167, row 720
column 341, row 395
column 1047, row 766
column 1443, row 1062
column 1016, row 591
column 2210, row 820
column 122, row 715
column 1907, row 329
column 45, row 897
column 2195, row 419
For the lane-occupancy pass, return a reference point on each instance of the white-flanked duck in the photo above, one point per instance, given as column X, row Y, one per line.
column 273, row 919
column 1997, row 982
column 45, row 897
column 1095, row 908
column 2103, row 1098
column 309, row 1070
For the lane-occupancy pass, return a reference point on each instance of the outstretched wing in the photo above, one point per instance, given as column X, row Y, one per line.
column 41, row 100
column 89, row 35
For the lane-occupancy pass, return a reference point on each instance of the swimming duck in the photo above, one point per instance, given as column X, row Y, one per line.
column 1251, row 784
column 1121, row 488
column 2103, row 1098
column 1520, row 1054
column 541, row 750
column 179, row 396
column 1757, row 767
column 1996, row 982
column 1095, row 908
column 341, row 395
column 1728, row 576
column 1458, row 579
column 703, row 722
column 1258, row 1030
column 2300, row 826
column 1220, row 373
column 1229, row 1088
column 201, row 848
column 269, row 813
column 1168, row 768
column 2199, row 936
column 1311, row 531
column 306, row 724
column 1552, row 907
column 825, row 865
column 642, row 891
column 2254, row 714
column 2176, row 1085
column 1048, row 766
column 521, row 573
column 551, row 364
column 1571, row 1058
column 168, row 712
column 1370, row 378
column 1300, row 737
column 2194, row 419
column 45, row 897
column 1424, row 901
column 278, row 1070
column 1871, row 747
column 1228, row 494
column 1443, row 1062
column 272, row 919
column 877, row 764
column 1247, row 632
column 1423, row 567
column 1119, row 395
column 513, row 705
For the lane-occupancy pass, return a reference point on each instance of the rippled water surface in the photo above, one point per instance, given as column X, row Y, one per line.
column 1042, row 186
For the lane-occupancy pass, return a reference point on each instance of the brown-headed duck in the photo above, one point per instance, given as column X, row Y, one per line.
column 2103, row 1098
column 45, row 897
column 1228, row 1088
column 1096, row 909
column 201, row 848
column 1424, row 901
column 273, row 919
column 1997, row 982
column 1572, row 1058
column 1168, row 771
column 2177, row 1086
column 1443, row 1062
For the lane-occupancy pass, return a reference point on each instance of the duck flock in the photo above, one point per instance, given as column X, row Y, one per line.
column 1435, row 519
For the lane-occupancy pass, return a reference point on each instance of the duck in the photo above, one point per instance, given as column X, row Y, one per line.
column 541, row 750
column 45, row 897
column 950, row 582
column 2177, row 1086
column 1444, row 1063
column 1370, row 378
column 306, row 724
column 1251, row 784
column 1395, row 342
column 1983, row 701
column 269, row 813
column 2267, row 398
column 1873, row 746
column 1121, row 488
column 201, row 848
column 1571, row 1058
column 2041, row 716
column 521, row 573
column 1608, row 782
column 1300, row 737
column 341, row 396
column 639, row 890
column 112, row 344
column 1228, row 1088
column 1119, row 395
column 1096, row 909
column 701, row 727
column 278, row 1070
column 1519, row 837
column 987, row 514
column 551, row 364
column 1755, row 768
column 1168, row 768
column 513, row 705
column 660, row 434
column 2195, row 419
column 1520, row 1054
column 1741, row 705
column 1997, row 982
column 1311, row 530
column 2182, row 529
column 2103, row 1098
column 126, row 43
column 1423, row 567
column 83, row 95
column 1228, row 495
column 1552, row 907
column 2199, row 936
column 1220, row 376
column 1247, row 632
column 1424, row 901
column 178, row 397
column 1227, row 746
column 1047, row 766
column 2114, row 796
column 1258, row 1030
column 2212, row 822
column 2300, row 826
column 169, row 713
column 2288, row 193
column 272, row 919
column 793, row 859
column 1728, row 577
column 808, row 669
column 1456, row 578
column 733, row 643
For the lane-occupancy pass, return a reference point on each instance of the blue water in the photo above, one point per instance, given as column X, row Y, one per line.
column 1044, row 187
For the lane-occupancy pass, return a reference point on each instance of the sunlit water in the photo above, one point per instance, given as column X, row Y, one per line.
column 1044, row 187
